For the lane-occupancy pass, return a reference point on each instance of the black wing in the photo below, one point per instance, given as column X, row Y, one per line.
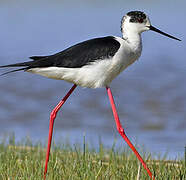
column 80, row 54
column 75, row 56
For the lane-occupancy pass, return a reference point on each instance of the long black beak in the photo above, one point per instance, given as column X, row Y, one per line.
column 158, row 31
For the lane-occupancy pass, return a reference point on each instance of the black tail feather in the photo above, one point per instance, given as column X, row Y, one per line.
column 25, row 64
column 21, row 69
column 37, row 62
column 18, row 64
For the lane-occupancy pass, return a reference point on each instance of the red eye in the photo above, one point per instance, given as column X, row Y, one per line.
column 140, row 20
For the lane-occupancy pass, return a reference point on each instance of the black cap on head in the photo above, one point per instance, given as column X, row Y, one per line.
column 136, row 16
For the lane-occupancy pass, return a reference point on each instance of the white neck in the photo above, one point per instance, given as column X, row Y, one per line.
column 133, row 38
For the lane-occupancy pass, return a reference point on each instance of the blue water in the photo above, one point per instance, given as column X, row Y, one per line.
column 150, row 94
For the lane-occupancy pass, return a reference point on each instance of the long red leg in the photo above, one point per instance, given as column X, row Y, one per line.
column 52, row 118
column 122, row 133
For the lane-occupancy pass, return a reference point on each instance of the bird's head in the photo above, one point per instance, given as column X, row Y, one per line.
column 138, row 22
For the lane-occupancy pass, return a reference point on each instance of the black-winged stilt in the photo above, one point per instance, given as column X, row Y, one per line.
column 94, row 64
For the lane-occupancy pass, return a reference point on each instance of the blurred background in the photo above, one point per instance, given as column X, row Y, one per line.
column 150, row 94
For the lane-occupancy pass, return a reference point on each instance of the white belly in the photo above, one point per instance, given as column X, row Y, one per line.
column 97, row 74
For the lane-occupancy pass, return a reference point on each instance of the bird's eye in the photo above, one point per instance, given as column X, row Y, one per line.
column 140, row 20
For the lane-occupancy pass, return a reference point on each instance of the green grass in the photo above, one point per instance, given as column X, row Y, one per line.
column 25, row 161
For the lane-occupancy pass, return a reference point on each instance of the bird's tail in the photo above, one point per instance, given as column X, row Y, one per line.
column 25, row 66
column 37, row 61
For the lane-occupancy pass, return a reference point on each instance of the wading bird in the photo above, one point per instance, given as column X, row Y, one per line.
column 94, row 64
